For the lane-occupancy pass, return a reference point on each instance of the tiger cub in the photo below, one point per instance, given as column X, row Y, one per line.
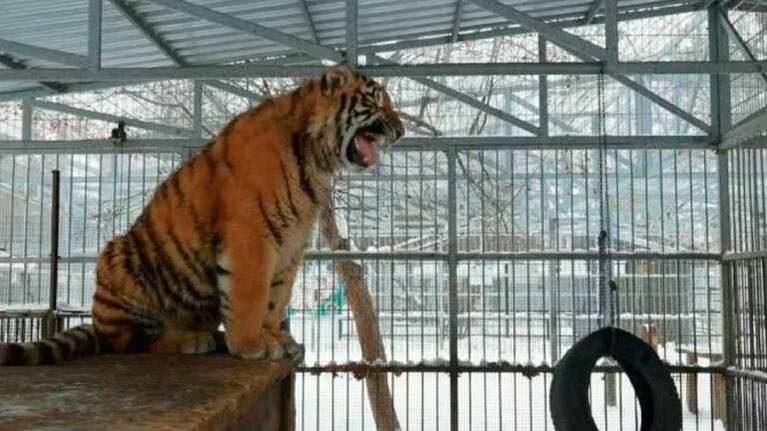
column 223, row 236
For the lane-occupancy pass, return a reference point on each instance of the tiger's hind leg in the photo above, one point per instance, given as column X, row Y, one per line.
column 279, row 299
column 184, row 341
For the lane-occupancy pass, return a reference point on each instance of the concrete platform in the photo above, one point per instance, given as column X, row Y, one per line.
column 149, row 392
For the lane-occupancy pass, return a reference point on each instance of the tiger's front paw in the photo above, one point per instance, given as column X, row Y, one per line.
column 293, row 350
column 265, row 347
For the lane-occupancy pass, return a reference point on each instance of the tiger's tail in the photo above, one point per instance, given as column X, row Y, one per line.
column 73, row 343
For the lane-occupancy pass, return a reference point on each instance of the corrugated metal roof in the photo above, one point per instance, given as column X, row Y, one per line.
column 62, row 25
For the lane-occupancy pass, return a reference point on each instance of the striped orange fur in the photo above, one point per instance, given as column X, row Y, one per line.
column 223, row 237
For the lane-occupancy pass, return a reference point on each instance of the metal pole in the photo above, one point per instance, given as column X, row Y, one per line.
column 94, row 34
column 54, row 270
column 611, row 31
column 721, row 119
column 197, row 109
column 453, row 284
column 543, row 91
column 26, row 119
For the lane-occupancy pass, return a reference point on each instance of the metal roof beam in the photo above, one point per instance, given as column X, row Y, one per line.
column 308, row 18
column 457, row 16
column 233, row 89
column 230, row 21
column 592, row 12
column 552, row 33
column 469, row 100
column 58, row 107
column 663, row 103
column 479, row 34
column 253, row 70
column 41, row 53
column 12, row 64
column 351, row 32
column 753, row 125
column 734, row 35
column 101, row 85
column 130, row 14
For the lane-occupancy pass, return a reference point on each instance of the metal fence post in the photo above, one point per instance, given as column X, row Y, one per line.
column 452, row 263
column 721, row 120
column 51, row 323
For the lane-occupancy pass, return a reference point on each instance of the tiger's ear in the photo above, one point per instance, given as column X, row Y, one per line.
column 336, row 78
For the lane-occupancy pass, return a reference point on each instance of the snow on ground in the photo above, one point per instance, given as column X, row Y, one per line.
column 494, row 401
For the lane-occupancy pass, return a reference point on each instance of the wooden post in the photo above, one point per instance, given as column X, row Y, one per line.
column 368, row 333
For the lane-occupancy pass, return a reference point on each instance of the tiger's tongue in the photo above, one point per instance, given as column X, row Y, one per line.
column 367, row 149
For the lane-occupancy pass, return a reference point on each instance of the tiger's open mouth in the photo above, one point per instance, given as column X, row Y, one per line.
column 367, row 140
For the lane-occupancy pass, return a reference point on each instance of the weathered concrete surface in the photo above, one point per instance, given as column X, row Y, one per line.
column 148, row 392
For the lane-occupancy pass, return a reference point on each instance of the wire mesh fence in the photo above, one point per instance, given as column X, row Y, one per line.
column 525, row 274
column 482, row 264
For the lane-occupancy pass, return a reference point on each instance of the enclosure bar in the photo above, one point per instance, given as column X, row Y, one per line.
column 256, row 70
column 197, row 110
column 543, row 92
column 26, row 119
column 47, row 54
column 53, row 285
column 58, row 107
column 351, row 32
column 94, row 34
column 560, row 37
column 611, row 31
column 721, row 118
column 231, row 21
column 527, row 370
column 452, row 231
column 441, row 143
column 753, row 375
column 559, row 256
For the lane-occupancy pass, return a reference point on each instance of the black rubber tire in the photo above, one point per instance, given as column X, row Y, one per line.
column 658, row 398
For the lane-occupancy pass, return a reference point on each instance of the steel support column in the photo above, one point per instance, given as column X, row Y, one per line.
column 720, row 119
column 351, row 32
column 26, row 119
column 543, row 91
column 611, row 31
column 94, row 34
column 452, row 284
column 197, row 110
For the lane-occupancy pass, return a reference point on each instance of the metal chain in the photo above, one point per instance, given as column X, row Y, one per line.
column 605, row 265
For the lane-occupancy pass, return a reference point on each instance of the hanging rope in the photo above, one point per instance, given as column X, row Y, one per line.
column 606, row 284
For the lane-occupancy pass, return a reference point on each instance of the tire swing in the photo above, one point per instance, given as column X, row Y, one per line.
column 661, row 408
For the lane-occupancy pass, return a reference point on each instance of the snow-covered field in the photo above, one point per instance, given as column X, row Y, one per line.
column 497, row 401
